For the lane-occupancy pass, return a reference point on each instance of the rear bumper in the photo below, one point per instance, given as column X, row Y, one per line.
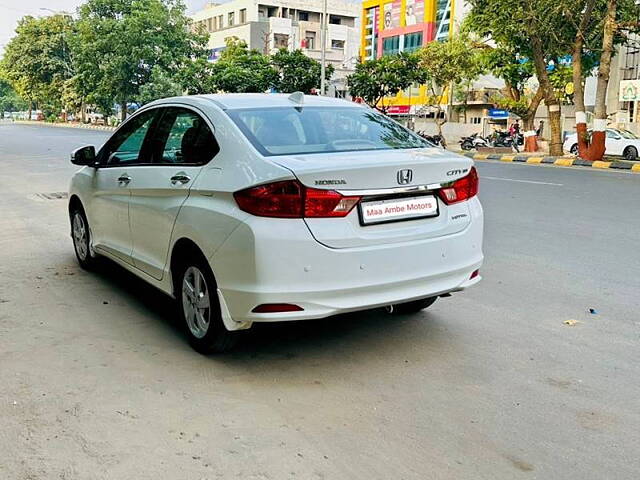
column 267, row 261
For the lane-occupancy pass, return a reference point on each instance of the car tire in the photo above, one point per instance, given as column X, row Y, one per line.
column 197, row 301
column 411, row 307
column 81, row 236
column 631, row 153
column 574, row 149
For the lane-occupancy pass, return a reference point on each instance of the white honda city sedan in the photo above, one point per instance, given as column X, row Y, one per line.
column 262, row 208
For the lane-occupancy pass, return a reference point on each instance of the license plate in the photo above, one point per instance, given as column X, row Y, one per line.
column 394, row 210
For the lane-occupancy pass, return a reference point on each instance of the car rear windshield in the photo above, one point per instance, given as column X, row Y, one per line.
column 301, row 130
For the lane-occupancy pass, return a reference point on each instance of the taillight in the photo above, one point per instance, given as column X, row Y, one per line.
column 462, row 189
column 291, row 199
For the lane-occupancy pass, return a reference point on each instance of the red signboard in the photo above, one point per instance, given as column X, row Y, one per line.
column 398, row 109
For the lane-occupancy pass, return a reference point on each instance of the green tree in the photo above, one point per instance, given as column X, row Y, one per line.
column 242, row 70
column 534, row 31
column 10, row 101
column 196, row 77
column 160, row 85
column 442, row 65
column 297, row 72
column 376, row 80
column 599, row 26
column 37, row 60
column 119, row 43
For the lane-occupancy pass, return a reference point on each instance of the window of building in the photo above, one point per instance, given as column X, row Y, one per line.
column 391, row 45
column 476, row 120
column 220, row 22
column 443, row 14
column 243, row 15
column 310, row 40
column 337, row 44
column 303, row 16
column 232, row 16
column 280, row 40
column 412, row 41
column 334, row 20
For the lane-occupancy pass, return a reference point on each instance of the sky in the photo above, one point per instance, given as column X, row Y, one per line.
column 12, row 10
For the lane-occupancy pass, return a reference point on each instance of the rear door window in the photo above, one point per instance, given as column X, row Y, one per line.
column 183, row 137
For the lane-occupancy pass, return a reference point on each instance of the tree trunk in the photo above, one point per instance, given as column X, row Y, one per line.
column 578, row 89
column 553, row 105
column 123, row 111
column 83, row 113
column 30, row 108
column 530, row 137
column 597, row 147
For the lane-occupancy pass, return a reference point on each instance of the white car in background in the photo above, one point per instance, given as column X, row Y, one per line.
column 265, row 208
column 617, row 142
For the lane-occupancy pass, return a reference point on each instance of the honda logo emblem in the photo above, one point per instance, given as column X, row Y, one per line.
column 405, row 176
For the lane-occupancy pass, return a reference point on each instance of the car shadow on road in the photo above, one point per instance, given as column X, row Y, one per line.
column 278, row 339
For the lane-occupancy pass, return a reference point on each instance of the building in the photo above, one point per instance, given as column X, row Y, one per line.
column 268, row 25
column 623, row 93
column 393, row 26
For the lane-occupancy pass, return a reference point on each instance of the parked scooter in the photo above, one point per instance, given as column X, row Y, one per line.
column 473, row 141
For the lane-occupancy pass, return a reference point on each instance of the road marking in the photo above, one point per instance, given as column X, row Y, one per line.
column 522, row 181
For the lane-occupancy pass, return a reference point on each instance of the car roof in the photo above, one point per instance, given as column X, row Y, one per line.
column 231, row 101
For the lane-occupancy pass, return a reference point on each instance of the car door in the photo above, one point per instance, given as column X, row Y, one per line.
column 614, row 143
column 109, row 206
column 182, row 143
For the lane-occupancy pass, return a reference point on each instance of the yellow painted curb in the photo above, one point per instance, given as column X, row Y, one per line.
column 507, row 158
column 600, row 164
column 480, row 156
column 564, row 162
column 636, row 167
column 534, row 159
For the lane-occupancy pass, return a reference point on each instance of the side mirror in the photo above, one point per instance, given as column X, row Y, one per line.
column 84, row 156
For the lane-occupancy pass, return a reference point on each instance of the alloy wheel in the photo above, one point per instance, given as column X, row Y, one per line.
column 196, row 305
column 80, row 237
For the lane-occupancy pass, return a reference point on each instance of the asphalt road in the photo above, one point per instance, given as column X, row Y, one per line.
column 98, row 382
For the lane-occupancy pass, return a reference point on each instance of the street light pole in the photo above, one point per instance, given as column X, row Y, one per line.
column 323, row 47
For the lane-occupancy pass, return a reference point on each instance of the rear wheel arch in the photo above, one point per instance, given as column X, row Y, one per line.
column 183, row 250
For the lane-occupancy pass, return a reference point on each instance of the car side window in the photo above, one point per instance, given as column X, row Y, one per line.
column 183, row 137
column 127, row 146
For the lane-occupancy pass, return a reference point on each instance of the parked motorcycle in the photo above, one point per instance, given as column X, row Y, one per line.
column 503, row 139
column 437, row 140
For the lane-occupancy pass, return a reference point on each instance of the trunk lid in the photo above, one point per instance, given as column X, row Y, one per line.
column 377, row 176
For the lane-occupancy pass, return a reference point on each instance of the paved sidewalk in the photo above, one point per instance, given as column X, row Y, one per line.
column 564, row 161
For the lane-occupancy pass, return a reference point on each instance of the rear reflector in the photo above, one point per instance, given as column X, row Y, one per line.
column 462, row 189
column 474, row 274
column 291, row 199
column 277, row 308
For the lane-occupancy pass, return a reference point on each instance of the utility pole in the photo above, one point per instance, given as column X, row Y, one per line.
column 323, row 47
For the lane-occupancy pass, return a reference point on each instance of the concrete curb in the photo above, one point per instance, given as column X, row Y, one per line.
column 67, row 125
column 557, row 161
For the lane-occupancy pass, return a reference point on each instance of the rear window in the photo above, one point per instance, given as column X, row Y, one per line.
column 299, row 130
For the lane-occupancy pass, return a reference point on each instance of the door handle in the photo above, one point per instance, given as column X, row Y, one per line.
column 180, row 178
column 124, row 179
